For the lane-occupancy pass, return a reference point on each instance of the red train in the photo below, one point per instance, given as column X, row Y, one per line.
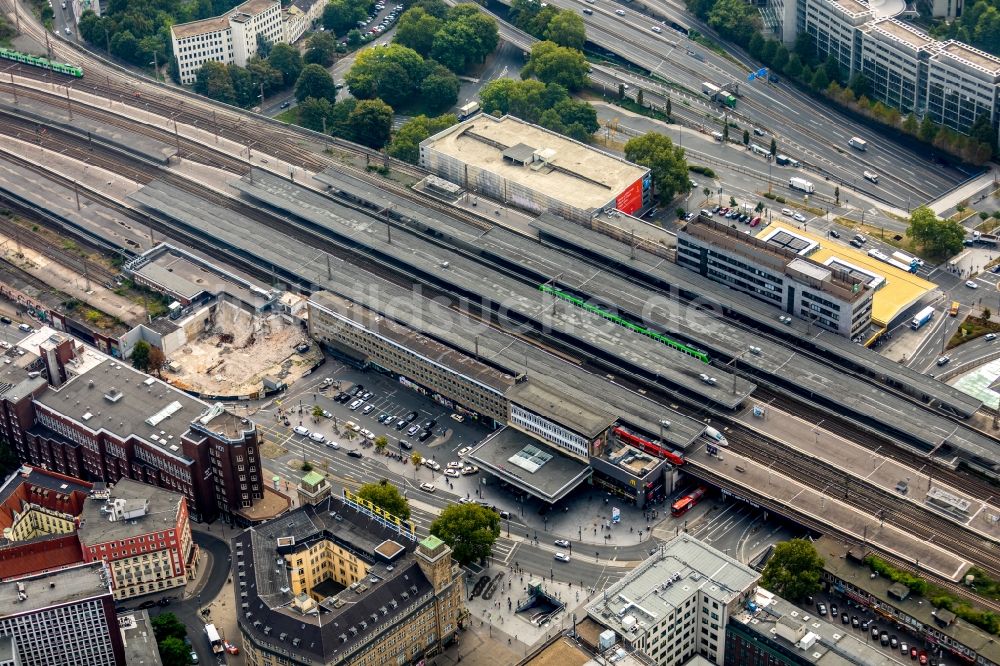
column 648, row 447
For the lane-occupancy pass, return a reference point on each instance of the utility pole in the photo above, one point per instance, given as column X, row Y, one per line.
column 69, row 104
column 76, row 191
column 13, row 86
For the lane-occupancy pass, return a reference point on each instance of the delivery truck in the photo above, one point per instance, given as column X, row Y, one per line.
column 797, row 183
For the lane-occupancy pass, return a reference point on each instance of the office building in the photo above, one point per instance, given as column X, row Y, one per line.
column 140, row 642
column 894, row 57
column 777, row 270
column 65, row 617
column 535, row 169
column 80, row 413
column 833, row 25
column 339, row 583
column 950, row 82
column 962, row 84
column 231, row 38
column 142, row 534
column 677, row 603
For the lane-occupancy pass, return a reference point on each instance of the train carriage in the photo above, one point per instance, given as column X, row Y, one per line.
column 43, row 63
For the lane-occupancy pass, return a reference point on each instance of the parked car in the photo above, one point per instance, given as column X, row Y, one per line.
column 454, row 473
column 301, row 430
column 406, row 445
column 368, row 409
column 332, row 445
column 821, row 608
column 354, row 453
column 432, row 464
column 412, row 430
column 427, row 487
column 833, row 610
column 317, row 436
column 470, row 469
column 787, row 211
column 425, row 435
column 799, row 217
column 834, row 233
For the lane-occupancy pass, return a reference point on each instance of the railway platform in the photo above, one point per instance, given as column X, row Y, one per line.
column 892, row 476
column 140, row 145
column 798, row 498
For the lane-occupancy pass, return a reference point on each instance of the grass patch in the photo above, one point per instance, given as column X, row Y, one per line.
column 973, row 327
column 893, row 238
column 290, row 116
column 963, row 215
column 630, row 105
column 715, row 47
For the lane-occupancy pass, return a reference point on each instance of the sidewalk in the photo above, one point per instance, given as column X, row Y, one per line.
column 967, row 191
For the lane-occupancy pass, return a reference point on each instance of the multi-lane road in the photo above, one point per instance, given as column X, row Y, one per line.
column 814, row 133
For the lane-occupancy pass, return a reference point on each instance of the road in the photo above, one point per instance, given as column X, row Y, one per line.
column 187, row 610
column 811, row 132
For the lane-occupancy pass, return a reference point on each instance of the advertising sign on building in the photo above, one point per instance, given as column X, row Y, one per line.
column 630, row 200
column 616, row 515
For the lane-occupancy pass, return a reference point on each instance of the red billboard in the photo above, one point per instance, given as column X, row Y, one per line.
column 630, row 200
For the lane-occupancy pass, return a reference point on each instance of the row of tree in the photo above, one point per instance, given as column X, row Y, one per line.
column 548, row 105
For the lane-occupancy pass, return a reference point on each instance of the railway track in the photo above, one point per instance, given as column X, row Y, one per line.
column 322, row 241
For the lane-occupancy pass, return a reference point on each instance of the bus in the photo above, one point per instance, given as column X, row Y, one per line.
column 686, row 503
column 953, row 310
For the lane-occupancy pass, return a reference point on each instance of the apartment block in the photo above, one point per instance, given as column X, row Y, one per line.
column 230, row 38
column 65, row 618
column 142, row 534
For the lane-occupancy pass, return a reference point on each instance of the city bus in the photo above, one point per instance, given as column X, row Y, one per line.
column 686, row 503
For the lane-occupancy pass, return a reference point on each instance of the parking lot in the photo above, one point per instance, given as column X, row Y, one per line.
column 875, row 630
column 387, row 398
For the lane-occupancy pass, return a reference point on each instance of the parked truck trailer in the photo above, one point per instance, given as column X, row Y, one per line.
column 797, row 183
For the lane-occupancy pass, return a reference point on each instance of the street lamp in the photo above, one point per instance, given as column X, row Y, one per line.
column 156, row 67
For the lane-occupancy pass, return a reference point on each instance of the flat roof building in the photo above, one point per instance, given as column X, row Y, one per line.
column 90, row 416
column 776, row 272
column 774, row 632
column 230, row 38
column 676, row 604
column 332, row 584
column 139, row 513
column 65, row 617
column 530, row 167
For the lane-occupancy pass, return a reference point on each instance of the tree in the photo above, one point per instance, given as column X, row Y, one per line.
column 734, row 19
column 322, row 49
column 666, row 163
column 832, row 68
column 928, row 130
column 354, row 38
column 416, row 30
column 982, row 131
column 746, row 137
column 386, row 496
column 439, row 89
column 820, row 80
column 167, row 624
column 416, row 459
column 405, row 143
column 768, row 50
column 774, row 147
column 469, row 529
column 371, row 122
column 317, row 412
column 340, row 16
column 794, row 66
column 781, row 57
column 794, row 571
column 836, row 194
column 986, row 314
column 261, row 73
column 859, row 85
column 315, row 113
column 173, row 652
column 938, row 237
column 805, row 47
column 157, row 360
column 756, row 45
column 381, row 442
column 667, row 108
column 140, row 355
column 286, row 59
column 315, row 82
column 566, row 29
column 725, row 133
column 392, row 73
column 552, row 63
